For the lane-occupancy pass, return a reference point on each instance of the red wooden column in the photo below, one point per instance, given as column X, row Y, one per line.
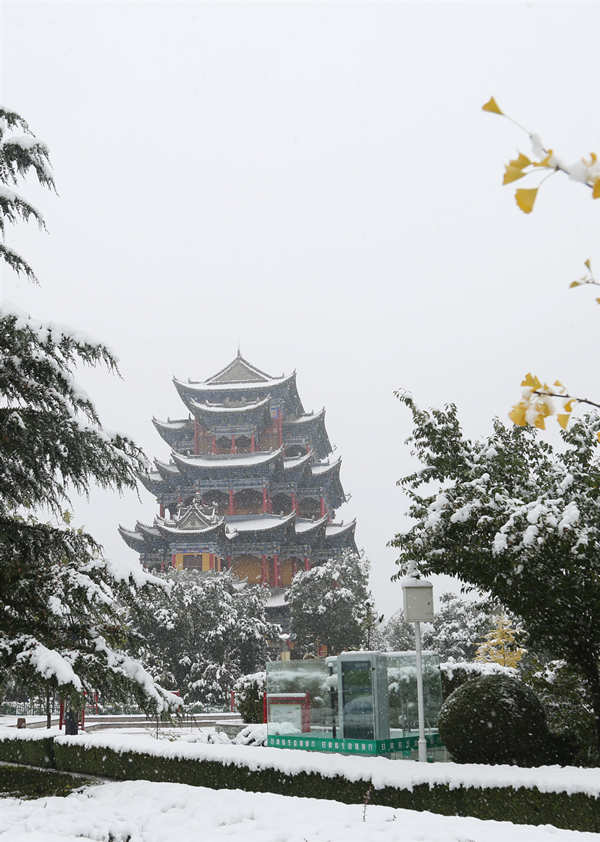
column 173, row 560
column 252, row 443
column 265, row 501
column 231, row 509
column 276, row 577
column 263, row 571
column 280, row 425
column 294, row 502
column 322, row 506
column 233, row 450
column 214, row 444
column 306, row 563
column 229, row 562
column 161, row 510
column 196, row 438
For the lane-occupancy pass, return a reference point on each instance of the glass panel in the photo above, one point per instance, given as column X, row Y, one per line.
column 357, row 693
column 301, row 698
column 402, row 691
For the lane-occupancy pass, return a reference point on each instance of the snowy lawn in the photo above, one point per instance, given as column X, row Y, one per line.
column 140, row 811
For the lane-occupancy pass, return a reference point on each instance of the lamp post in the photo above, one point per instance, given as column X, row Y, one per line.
column 418, row 607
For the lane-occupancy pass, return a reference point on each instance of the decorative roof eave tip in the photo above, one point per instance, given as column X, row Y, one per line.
column 297, row 461
column 166, row 468
column 342, row 529
column 324, row 470
column 170, row 425
column 130, row 533
column 312, row 526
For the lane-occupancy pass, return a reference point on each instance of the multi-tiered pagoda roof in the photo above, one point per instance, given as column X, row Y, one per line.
column 251, row 485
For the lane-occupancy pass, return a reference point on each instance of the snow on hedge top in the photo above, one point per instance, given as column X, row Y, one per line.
column 379, row 771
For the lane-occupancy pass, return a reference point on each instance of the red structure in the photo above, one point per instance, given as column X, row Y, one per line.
column 251, row 484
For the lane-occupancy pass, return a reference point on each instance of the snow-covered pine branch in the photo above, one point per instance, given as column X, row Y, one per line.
column 64, row 616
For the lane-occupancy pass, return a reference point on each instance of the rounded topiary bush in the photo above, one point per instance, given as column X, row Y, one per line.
column 496, row 719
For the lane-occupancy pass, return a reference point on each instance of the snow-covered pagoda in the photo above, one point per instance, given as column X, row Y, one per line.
column 252, row 484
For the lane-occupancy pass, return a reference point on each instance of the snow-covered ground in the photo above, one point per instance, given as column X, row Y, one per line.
column 10, row 720
column 140, row 811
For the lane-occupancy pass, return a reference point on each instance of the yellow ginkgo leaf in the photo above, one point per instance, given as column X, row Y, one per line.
column 559, row 384
column 540, row 422
column 574, row 284
column 596, row 190
column 568, row 407
column 592, row 161
column 598, row 300
column 531, row 381
column 512, row 174
column 520, row 162
column 492, row 106
column 543, row 408
column 598, row 436
column 545, row 162
column 563, row 420
column 525, row 198
column 517, row 414
column 587, row 264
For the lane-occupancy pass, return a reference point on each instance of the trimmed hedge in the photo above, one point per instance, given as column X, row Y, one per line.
column 26, row 782
column 522, row 806
column 30, row 752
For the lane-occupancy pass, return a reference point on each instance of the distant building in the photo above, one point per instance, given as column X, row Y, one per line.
column 251, row 485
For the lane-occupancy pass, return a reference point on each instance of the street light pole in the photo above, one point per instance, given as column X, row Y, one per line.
column 422, row 744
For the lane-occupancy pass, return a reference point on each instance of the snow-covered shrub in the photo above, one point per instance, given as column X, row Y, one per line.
column 566, row 700
column 252, row 735
column 497, row 719
column 455, row 673
column 249, row 691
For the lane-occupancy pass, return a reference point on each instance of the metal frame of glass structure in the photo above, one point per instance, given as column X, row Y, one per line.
column 354, row 703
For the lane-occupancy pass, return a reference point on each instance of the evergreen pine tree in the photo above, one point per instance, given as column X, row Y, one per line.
column 330, row 605
column 203, row 634
column 61, row 617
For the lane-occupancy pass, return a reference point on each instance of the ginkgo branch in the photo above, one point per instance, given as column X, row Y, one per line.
column 567, row 397
column 585, row 171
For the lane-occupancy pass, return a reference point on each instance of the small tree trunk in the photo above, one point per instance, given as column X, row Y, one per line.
column 48, row 708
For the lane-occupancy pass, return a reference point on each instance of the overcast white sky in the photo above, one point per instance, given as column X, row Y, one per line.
column 318, row 182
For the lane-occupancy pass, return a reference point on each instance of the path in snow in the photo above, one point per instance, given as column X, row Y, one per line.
column 163, row 812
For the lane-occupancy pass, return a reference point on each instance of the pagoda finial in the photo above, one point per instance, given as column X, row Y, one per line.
column 239, row 350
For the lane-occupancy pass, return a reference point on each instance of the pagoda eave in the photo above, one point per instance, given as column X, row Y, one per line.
column 233, row 464
column 175, row 433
